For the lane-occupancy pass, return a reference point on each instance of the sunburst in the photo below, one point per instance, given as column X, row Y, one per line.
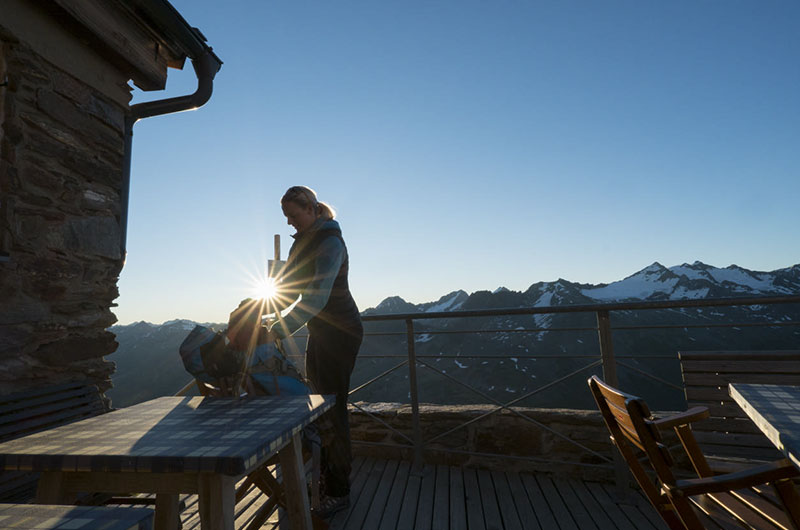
column 265, row 289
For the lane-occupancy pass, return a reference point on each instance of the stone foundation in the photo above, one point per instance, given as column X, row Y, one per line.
column 501, row 433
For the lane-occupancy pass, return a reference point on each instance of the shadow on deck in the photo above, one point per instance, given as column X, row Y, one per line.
column 388, row 494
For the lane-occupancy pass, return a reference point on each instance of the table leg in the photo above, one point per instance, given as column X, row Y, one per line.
column 50, row 489
column 294, row 485
column 167, row 515
column 217, row 499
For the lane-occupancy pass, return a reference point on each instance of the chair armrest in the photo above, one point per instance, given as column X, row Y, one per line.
column 770, row 472
column 682, row 418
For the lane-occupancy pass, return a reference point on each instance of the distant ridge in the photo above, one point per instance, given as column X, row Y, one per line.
column 148, row 364
column 654, row 282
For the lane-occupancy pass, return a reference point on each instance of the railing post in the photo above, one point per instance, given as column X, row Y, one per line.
column 610, row 377
column 412, row 379
column 607, row 348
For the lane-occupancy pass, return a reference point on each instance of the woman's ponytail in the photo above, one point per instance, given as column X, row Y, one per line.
column 325, row 210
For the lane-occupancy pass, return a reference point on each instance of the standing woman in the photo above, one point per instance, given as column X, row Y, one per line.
column 316, row 273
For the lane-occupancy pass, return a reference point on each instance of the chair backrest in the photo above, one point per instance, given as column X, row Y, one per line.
column 629, row 421
column 729, row 432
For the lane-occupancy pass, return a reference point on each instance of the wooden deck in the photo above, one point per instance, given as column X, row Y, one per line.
column 388, row 495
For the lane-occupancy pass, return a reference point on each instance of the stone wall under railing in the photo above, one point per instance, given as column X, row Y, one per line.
column 501, row 433
column 61, row 157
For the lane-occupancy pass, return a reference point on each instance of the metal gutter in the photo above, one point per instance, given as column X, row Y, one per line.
column 206, row 65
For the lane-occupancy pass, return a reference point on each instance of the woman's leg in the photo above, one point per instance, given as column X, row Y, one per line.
column 330, row 358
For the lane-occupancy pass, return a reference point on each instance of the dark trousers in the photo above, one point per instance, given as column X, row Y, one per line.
column 330, row 357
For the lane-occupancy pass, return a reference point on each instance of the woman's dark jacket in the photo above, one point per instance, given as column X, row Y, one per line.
column 316, row 269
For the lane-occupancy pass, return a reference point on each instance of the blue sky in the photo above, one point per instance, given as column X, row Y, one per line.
column 471, row 144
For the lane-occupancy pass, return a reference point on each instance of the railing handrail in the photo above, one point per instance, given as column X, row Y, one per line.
column 589, row 308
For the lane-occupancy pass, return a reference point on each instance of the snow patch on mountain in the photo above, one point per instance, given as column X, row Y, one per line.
column 449, row 302
column 648, row 281
column 187, row 325
column 759, row 282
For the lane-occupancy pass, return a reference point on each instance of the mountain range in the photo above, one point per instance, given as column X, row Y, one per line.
column 520, row 353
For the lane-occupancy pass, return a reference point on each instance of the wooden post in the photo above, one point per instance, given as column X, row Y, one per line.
column 412, row 379
column 607, row 348
column 610, row 377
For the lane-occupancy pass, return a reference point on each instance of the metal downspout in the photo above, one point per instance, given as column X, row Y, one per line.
column 206, row 67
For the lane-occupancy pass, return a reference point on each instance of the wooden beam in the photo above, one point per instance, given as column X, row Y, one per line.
column 125, row 40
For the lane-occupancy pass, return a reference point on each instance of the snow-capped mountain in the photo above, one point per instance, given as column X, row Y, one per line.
column 655, row 282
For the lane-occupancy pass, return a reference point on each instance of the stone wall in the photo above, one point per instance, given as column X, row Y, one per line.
column 497, row 437
column 501, row 433
column 61, row 155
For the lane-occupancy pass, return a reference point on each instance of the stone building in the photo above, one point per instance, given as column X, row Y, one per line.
column 65, row 147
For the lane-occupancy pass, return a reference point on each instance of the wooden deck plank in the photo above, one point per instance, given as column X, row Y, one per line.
column 379, row 500
column 395, row 501
column 360, row 506
column 356, row 485
column 650, row 513
column 540, row 507
column 505, row 501
column 425, row 504
column 522, row 502
column 458, row 506
column 472, row 496
column 408, row 510
column 553, row 498
column 441, row 499
column 601, row 519
column 579, row 513
column 491, row 510
column 609, row 507
column 633, row 510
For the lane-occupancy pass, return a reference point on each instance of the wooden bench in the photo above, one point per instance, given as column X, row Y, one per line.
column 25, row 413
column 729, row 435
column 45, row 517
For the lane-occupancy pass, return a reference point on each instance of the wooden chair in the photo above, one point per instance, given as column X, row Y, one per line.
column 729, row 438
column 735, row 500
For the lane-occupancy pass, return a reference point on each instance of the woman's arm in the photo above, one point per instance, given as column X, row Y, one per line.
column 330, row 256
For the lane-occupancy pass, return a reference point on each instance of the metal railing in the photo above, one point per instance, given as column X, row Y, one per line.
column 604, row 359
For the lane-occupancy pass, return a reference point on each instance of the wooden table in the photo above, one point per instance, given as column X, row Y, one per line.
column 174, row 445
column 775, row 409
column 39, row 517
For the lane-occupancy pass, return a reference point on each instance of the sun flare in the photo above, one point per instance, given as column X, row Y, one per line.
column 265, row 289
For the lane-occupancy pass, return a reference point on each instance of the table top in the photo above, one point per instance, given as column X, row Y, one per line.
column 775, row 409
column 44, row 517
column 170, row 435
